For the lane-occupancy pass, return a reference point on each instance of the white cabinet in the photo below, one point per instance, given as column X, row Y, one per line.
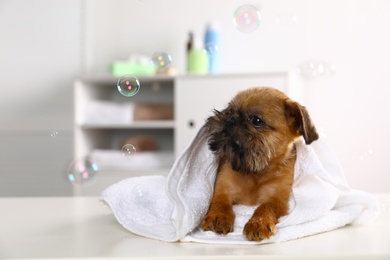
column 193, row 99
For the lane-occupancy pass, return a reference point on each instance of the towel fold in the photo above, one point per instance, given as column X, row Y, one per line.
column 172, row 208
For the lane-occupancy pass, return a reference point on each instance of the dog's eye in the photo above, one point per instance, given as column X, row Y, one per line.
column 256, row 121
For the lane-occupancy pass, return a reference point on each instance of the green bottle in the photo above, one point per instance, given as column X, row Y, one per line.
column 198, row 59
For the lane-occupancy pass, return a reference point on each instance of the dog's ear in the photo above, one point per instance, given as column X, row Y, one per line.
column 300, row 122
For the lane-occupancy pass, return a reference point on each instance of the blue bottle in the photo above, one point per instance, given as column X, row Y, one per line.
column 212, row 44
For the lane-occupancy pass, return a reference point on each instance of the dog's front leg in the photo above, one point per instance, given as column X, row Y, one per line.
column 220, row 218
column 263, row 222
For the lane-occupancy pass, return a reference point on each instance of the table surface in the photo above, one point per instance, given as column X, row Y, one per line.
column 81, row 227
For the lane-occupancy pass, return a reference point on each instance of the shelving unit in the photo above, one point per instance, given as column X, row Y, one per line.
column 107, row 135
column 157, row 89
column 193, row 99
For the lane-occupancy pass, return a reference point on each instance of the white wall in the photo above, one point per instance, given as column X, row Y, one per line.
column 351, row 106
column 39, row 57
column 43, row 46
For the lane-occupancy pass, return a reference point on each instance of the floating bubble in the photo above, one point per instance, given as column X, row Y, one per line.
column 286, row 19
column 54, row 133
column 156, row 87
column 128, row 150
column 82, row 171
column 366, row 154
column 384, row 207
column 322, row 133
column 313, row 69
column 246, row 18
column 211, row 47
column 141, row 194
column 128, row 85
column 140, row 191
column 161, row 60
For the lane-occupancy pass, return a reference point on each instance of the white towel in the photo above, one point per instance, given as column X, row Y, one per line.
column 109, row 160
column 107, row 112
column 171, row 209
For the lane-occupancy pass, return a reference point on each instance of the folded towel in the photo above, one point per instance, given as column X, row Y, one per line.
column 141, row 161
column 172, row 208
column 107, row 112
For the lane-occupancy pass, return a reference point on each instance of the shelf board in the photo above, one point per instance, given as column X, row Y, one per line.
column 110, row 79
column 131, row 173
column 135, row 125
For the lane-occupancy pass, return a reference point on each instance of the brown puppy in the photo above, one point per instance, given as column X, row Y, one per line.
column 253, row 139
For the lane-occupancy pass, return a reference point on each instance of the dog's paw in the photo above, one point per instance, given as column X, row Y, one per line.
column 257, row 229
column 218, row 222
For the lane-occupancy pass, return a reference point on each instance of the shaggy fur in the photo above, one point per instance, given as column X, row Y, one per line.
column 253, row 139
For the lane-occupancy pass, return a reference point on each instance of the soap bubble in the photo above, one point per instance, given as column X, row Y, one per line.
column 161, row 60
column 384, row 207
column 54, row 133
column 141, row 194
column 246, row 18
column 156, row 87
column 313, row 69
column 81, row 171
column 366, row 154
column 322, row 132
column 211, row 47
column 128, row 150
column 286, row 19
column 140, row 191
column 128, row 85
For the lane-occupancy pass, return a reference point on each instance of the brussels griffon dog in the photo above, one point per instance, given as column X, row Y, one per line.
column 253, row 140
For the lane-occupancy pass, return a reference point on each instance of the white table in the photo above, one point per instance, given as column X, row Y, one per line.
column 80, row 227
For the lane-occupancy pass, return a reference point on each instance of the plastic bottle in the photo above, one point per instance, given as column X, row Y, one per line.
column 212, row 42
column 189, row 46
column 198, row 58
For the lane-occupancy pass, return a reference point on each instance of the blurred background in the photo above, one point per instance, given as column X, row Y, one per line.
column 46, row 44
